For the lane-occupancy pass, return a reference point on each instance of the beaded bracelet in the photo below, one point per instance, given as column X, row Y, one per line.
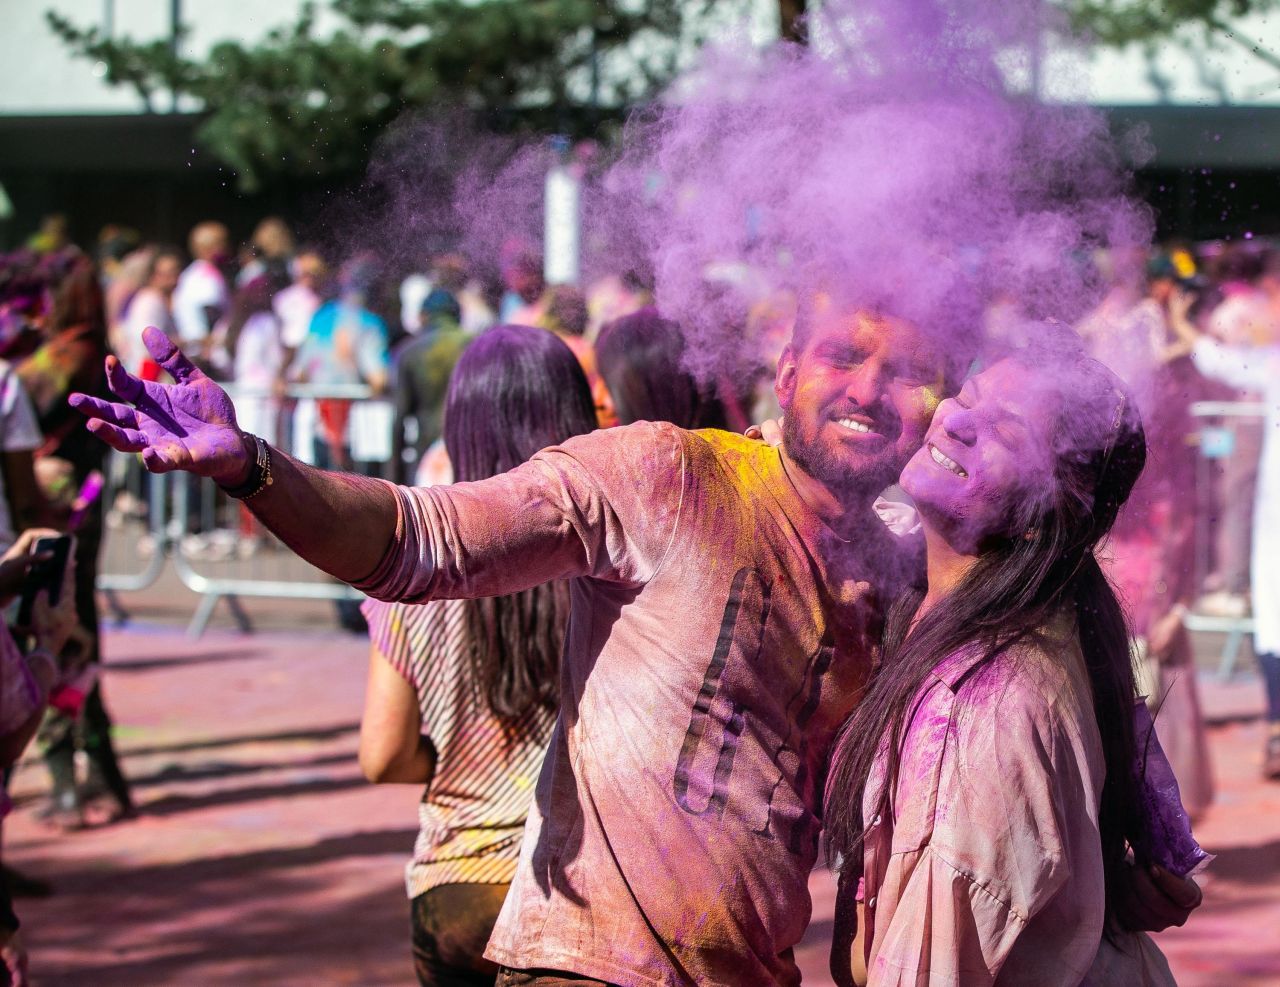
column 259, row 474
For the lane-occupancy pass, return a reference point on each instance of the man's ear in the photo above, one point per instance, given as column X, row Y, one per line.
column 784, row 381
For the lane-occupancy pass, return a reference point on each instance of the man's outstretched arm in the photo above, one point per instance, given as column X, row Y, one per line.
column 340, row 523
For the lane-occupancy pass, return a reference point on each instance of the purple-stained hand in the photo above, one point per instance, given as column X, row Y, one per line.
column 188, row 425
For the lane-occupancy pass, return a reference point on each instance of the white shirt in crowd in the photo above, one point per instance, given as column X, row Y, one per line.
column 200, row 287
column 149, row 307
column 294, row 307
column 19, row 432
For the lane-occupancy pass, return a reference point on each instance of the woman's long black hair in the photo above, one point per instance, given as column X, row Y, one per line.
column 1015, row 589
column 639, row 356
column 514, row 391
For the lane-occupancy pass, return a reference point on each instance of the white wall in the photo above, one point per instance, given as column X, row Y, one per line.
column 38, row 74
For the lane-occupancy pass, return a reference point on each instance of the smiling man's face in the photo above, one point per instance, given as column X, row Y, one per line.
column 857, row 394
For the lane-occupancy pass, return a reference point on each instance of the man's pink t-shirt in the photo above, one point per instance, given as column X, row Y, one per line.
column 720, row 634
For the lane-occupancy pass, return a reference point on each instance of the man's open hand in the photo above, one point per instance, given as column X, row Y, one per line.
column 188, row 425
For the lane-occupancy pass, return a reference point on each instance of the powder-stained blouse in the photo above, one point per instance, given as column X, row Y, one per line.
column 988, row 870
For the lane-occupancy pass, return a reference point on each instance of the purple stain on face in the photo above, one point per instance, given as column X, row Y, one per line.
column 856, row 392
column 987, row 459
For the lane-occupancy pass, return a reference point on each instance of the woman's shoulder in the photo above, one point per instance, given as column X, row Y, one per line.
column 1035, row 685
column 416, row 634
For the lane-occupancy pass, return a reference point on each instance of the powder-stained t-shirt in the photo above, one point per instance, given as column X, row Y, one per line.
column 472, row 815
column 720, row 633
column 988, row 869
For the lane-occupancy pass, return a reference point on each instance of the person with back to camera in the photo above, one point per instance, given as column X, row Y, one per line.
column 639, row 357
column 462, row 694
column 985, row 790
column 726, row 609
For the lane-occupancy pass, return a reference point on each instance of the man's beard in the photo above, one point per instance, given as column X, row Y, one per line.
column 849, row 481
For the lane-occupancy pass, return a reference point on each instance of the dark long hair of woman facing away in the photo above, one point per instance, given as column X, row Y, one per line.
column 639, row 357
column 514, row 391
column 1015, row 588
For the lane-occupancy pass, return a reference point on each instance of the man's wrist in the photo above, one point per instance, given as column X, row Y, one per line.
column 259, row 476
column 249, row 452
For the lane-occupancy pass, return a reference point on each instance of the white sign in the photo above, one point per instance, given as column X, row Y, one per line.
column 560, row 231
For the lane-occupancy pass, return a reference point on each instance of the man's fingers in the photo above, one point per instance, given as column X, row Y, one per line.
column 120, row 439
column 165, row 459
column 108, row 411
column 122, row 383
column 169, row 356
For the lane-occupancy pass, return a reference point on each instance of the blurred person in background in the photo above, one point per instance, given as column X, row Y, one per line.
column 296, row 304
column 25, row 685
column 1254, row 367
column 71, row 359
column 614, row 296
column 151, row 305
column 462, row 695
column 252, row 339
column 524, row 299
column 452, row 273
column 52, row 236
column 115, row 245
column 1129, row 329
column 201, row 297
column 640, row 357
column 564, row 312
column 249, row 343
column 1150, row 555
column 1244, row 318
column 346, row 344
column 414, row 289
column 270, row 250
column 420, row 380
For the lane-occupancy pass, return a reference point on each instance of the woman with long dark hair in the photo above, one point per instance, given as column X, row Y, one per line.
column 463, row 693
column 984, row 792
column 640, row 359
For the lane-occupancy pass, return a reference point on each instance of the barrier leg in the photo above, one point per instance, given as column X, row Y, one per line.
column 1230, row 654
column 204, row 612
column 119, row 615
column 200, row 619
column 240, row 614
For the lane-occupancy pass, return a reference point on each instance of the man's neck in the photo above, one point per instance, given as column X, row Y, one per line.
column 841, row 511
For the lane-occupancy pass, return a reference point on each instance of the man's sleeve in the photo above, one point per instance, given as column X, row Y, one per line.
column 604, row 505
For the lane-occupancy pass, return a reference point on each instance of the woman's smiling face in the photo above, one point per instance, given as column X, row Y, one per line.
column 987, row 460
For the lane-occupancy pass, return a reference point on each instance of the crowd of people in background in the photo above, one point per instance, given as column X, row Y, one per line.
column 305, row 336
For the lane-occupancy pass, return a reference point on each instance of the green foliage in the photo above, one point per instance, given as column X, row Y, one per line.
column 304, row 103
column 1118, row 23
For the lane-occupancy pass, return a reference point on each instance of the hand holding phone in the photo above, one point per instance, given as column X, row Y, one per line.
column 47, row 573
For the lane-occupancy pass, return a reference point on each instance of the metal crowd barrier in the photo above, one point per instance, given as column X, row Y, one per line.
column 1217, row 432
column 215, row 547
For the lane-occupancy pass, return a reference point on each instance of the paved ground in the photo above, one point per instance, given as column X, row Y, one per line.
column 261, row 857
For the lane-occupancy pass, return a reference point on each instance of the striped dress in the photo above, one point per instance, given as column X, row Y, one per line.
column 471, row 818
